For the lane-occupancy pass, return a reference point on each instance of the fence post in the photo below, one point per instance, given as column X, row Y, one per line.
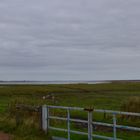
column 45, row 118
column 68, row 123
column 90, row 128
column 114, row 127
column 18, row 118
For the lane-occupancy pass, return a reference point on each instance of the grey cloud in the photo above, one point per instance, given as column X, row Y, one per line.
column 62, row 40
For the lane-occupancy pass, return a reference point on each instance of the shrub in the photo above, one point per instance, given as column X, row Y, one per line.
column 131, row 105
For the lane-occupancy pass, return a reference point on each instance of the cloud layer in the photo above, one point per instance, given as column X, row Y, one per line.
column 69, row 40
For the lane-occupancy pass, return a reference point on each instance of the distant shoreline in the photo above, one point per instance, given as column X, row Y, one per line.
column 61, row 82
column 49, row 82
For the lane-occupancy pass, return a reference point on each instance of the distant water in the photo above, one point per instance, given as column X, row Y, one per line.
column 49, row 82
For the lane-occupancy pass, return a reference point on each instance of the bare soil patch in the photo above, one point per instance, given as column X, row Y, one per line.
column 4, row 136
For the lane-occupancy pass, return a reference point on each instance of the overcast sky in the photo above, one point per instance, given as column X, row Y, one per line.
column 69, row 39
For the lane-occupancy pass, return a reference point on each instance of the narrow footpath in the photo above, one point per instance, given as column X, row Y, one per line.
column 4, row 136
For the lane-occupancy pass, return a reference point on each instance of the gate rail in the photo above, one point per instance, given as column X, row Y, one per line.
column 46, row 118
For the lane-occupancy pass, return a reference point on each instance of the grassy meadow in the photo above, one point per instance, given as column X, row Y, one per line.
column 114, row 96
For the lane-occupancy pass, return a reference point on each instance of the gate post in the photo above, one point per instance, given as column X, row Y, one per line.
column 90, row 128
column 45, row 118
column 114, row 127
column 68, row 123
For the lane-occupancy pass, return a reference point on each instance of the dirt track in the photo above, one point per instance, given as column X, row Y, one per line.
column 4, row 136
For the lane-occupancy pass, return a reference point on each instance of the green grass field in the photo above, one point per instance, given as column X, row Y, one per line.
column 100, row 96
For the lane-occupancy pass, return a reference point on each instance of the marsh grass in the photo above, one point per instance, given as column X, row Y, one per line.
column 27, row 127
column 113, row 96
column 132, row 104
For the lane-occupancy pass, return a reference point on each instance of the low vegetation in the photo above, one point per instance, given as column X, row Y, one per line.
column 123, row 96
column 132, row 104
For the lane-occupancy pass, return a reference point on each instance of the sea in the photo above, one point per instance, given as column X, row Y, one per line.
column 49, row 82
